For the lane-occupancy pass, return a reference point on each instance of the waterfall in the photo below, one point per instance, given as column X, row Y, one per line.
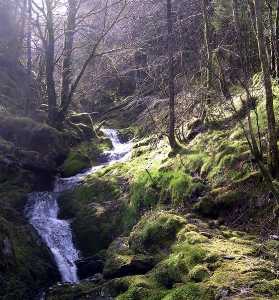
column 42, row 211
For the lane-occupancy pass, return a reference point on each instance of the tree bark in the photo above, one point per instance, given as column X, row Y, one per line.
column 29, row 53
column 67, row 53
column 241, row 45
column 207, row 39
column 271, row 40
column 277, row 38
column 171, row 134
column 272, row 136
column 50, row 63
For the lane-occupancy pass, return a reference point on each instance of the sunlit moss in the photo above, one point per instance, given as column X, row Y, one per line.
column 155, row 232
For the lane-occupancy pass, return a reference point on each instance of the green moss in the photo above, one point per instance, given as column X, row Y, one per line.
column 267, row 287
column 182, row 187
column 189, row 291
column 84, row 156
column 151, row 188
column 96, row 212
column 191, row 237
column 75, row 163
column 219, row 201
column 172, row 270
column 199, row 273
column 139, row 293
column 191, row 254
column 155, row 231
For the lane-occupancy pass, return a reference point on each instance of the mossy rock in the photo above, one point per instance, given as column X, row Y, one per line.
column 74, row 164
column 189, row 291
column 121, row 261
column 96, row 210
column 192, row 237
column 267, row 287
column 215, row 204
column 84, row 156
column 25, row 263
column 199, row 273
column 155, row 232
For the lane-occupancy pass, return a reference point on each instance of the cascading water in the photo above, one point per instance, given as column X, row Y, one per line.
column 42, row 211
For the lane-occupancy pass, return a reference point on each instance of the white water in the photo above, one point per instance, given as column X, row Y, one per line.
column 42, row 211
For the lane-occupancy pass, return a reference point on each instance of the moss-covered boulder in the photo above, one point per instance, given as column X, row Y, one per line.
column 121, row 261
column 155, row 232
column 220, row 201
column 199, row 273
column 96, row 209
column 31, row 145
column 85, row 155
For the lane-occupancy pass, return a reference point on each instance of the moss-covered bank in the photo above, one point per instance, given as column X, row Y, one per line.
column 190, row 260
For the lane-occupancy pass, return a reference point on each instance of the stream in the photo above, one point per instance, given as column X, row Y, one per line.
column 42, row 211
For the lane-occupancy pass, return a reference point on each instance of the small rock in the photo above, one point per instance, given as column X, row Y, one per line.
column 229, row 257
column 274, row 237
column 222, row 294
column 7, row 247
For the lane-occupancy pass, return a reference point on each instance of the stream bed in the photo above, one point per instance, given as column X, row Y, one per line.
column 42, row 211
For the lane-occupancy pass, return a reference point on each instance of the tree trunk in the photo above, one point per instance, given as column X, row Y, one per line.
column 207, row 39
column 272, row 136
column 271, row 40
column 241, row 45
column 171, row 134
column 277, row 38
column 50, row 63
column 67, row 55
column 29, row 53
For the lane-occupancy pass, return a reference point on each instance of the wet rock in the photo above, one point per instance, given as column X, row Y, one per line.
column 121, row 260
column 274, row 237
column 7, row 247
column 90, row 266
column 120, row 266
column 96, row 279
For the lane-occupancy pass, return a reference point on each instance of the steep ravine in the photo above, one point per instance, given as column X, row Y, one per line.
column 42, row 211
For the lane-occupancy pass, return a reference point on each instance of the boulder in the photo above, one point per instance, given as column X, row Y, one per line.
column 90, row 266
column 121, row 261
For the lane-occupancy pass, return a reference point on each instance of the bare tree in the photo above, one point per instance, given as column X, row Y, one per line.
column 50, row 34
